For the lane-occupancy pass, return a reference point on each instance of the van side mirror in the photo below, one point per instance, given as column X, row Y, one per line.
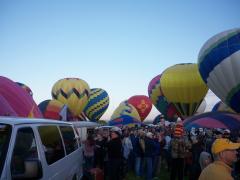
column 33, row 170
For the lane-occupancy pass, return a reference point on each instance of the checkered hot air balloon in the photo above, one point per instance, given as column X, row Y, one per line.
column 97, row 104
column 73, row 92
column 219, row 65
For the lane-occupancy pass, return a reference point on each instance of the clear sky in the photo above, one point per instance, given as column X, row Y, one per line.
column 116, row 45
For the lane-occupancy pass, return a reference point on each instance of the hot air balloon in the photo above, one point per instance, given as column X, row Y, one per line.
column 159, row 100
column 219, row 64
column 224, row 120
column 25, row 87
column 5, row 108
column 51, row 109
column 125, row 109
column 18, row 99
column 125, row 120
column 183, row 86
column 142, row 104
column 73, row 92
column 97, row 104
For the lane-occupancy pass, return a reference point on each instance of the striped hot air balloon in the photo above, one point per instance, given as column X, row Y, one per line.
column 98, row 103
column 219, row 64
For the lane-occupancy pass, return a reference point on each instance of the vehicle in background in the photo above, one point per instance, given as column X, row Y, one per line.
column 83, row 128
column 38, row 149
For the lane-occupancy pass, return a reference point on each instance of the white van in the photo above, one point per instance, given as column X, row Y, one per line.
column 38, row 149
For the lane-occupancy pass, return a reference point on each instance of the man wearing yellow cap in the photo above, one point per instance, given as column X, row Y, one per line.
column 225, row 154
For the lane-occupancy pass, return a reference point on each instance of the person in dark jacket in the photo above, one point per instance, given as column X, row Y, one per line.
column 114, row 150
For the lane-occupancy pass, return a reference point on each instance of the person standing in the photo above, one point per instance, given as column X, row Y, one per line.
column 225, row 154
column 115, row 155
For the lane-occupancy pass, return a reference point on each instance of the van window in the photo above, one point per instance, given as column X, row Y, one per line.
column 52, row 143
column 69, row 139
column 5, row 134
column 25, row 148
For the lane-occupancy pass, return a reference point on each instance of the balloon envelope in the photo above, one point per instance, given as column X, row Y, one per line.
column 124, row 120
column 25, row 87
column 220, row 106
column 214, row 120
column 125, row 109
column 97, row 104
column 51, row 109
column 18, row 99
column 5, row 108
column 142, row 104
column 219, row 64
column 159, row 100
column 183, row 86
column 73, row 92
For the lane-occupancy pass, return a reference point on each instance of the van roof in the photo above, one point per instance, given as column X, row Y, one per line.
column 22, row 120
column 85, row 124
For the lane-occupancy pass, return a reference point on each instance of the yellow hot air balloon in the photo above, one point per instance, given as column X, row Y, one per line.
column 73, row 92
column 183, row 86
column 125, row 109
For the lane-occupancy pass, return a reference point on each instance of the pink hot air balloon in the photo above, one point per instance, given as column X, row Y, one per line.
column 143, row 105
column 5, row 108
column 18, row 99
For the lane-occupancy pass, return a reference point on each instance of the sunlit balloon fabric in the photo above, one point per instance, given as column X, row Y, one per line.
column 125, row 109
column 97, row 104
column 224, row 120
column 25, row 87
column 18, row 100
column 142, row 104
column 51, row 109
column 159, row 100
column 183, row 86
column 219, row 66
column 73, row 92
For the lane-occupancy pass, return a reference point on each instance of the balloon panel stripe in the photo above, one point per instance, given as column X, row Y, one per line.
column 218, row 54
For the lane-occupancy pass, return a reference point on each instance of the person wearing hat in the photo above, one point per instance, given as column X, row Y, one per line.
column 225, row 154
column 114, row 152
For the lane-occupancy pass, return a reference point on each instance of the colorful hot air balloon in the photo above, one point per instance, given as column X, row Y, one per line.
column 224, row 120
column 159, row 100
column 18, row 99
column 219, row 64
column 51, row 109
column 5, row 108
column 25, row 87
column 142, row 104
column 202, row 107
column 183, row 86
column 73, row 92
column 97, row 104
column 125, row 120
column 125, row 109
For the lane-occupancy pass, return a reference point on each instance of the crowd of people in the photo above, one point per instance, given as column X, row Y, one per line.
column 203, row 154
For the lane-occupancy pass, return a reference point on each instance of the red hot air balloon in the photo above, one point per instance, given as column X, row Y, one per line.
column 19, row 100
column 143, row 105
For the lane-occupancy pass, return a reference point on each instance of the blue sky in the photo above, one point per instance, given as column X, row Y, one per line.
column 116, row 45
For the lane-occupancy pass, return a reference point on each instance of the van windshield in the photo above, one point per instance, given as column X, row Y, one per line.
column 5, row 134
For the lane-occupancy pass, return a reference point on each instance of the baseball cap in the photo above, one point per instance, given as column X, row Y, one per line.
column 116, row 130
column 223, row 144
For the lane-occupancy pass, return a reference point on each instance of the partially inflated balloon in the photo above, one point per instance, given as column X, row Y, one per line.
column 125, row 109
column 183, row 86
column 25, row 87
column 73, row 92
column 97, row 104
column 159, row 100
column 51, row 109
column 142, row 104
column 18, row 99
column 219, row 64
column 5, row 108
